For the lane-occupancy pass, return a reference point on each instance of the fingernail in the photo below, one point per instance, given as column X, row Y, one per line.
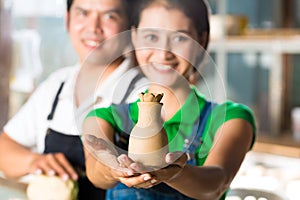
column 65, row 177
column 90, row 138
column 51, row 173
column 146, row 177
column 130, row 173
column 38, row 172
column 75, row 177
column 153, row 181
column 122, row 158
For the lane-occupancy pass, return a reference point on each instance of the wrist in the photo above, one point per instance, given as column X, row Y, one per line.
column 177, row 177
column 32, row 158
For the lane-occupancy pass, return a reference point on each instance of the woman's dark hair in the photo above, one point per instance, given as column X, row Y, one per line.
column 196, row 10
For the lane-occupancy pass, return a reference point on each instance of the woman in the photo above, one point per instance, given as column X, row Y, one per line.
column 163, row 36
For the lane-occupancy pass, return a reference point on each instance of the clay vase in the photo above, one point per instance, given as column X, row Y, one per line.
column 148, row 141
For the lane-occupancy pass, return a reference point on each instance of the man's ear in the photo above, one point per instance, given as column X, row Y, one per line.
column 133, row 36
column 67, row 20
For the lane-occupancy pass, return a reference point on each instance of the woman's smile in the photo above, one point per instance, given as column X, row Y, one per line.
column 163, row 68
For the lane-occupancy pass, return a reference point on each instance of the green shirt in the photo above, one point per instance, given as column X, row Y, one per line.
column 179, row 127
column 124, row 116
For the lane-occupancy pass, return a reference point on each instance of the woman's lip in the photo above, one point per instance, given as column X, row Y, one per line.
column 163, row 67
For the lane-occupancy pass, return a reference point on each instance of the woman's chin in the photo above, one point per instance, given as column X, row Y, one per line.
column 166, row 81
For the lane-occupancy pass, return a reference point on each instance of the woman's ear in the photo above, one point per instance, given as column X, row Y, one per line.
column 133, row 36
column 194, row 77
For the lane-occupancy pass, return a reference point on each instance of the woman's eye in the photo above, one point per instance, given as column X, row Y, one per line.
column 180, row 38
column 151, row 38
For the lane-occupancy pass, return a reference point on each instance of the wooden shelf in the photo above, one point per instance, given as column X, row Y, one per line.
column 272, row 32
column 283, row 144
column 278, row 46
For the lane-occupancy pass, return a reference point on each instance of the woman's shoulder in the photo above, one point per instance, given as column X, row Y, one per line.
column 231, row 106
column 233, row 110
column 113, row 109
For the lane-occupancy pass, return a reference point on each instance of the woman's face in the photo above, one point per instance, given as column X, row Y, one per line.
column 165, row 44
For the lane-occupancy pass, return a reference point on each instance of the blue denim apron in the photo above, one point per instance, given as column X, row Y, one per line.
column 71, row 146
column 163, row 191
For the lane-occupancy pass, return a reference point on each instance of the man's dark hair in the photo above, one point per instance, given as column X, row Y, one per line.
column 69, row 4
column 127, row 4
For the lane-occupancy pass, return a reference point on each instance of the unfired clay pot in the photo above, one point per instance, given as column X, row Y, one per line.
column 148, row 142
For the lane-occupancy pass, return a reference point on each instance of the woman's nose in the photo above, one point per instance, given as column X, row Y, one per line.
column 165, row 54
column 165, row 50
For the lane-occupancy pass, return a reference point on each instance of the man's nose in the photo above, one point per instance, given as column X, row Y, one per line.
column 94, row 23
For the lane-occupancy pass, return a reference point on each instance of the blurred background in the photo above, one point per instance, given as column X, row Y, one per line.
column 255, row 45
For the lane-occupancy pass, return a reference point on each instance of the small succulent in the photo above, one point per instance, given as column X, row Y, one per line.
column 151, row 97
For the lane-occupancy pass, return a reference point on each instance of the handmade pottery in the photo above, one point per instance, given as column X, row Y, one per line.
column 148, row 142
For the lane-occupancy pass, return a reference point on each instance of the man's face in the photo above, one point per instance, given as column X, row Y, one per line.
column 90, row 22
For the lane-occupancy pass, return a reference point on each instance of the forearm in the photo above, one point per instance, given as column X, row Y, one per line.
column 102, row 166
column 98, row 173
column 15, row 160
column 201, row 182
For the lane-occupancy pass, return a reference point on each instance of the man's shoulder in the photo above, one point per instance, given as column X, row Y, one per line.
column 62, row 74
column 57, row 77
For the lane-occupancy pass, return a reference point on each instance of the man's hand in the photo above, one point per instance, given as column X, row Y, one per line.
column 53, row 164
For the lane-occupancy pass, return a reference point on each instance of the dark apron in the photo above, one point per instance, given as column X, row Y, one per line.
column 71, row 146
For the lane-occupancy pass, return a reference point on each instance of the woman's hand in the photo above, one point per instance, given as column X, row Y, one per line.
column 106, row 155
column 53, row 164
column 176, row 162
column 143, row 178
column 140, row 178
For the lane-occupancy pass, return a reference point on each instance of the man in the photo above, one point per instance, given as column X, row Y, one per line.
column 44, row 136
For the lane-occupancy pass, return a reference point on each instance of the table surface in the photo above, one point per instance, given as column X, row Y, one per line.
column 269, row 172
column 11, row 190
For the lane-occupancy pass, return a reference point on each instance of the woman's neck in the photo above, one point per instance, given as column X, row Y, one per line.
column 173, row 98
column 90, row 78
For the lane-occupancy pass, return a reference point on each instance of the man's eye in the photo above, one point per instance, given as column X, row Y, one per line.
column 110, row 16
column 82, row 12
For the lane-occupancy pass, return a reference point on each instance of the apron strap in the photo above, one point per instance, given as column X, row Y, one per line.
column 51, row 114
column 195, row 140
column 121, row 137
column 71, row 147
column 130, row 86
